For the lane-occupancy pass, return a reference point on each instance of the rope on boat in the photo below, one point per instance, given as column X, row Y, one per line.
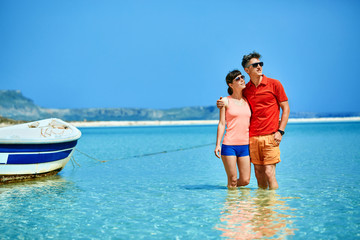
column 48, row 130
column 146, row 154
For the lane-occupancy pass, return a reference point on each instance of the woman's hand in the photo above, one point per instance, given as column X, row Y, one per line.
column 217, row 151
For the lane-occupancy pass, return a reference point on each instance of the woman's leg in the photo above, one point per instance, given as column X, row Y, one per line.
column 244, row 170
column 231, row 170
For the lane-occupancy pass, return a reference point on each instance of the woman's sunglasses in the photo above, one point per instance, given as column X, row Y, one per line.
column 239, row 77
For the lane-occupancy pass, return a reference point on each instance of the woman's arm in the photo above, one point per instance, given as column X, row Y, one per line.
column 220, row 129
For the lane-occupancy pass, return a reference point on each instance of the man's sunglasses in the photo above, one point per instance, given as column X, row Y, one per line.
column 256, row 64
column 239, row 77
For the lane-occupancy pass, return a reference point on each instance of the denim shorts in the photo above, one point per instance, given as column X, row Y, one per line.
column 235, row 150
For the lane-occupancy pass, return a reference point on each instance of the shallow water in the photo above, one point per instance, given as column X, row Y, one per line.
column 166, row 183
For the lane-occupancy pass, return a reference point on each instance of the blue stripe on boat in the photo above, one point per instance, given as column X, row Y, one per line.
column 37, row 158
column 13, row 148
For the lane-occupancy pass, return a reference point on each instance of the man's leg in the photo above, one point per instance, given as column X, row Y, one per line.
column 271, row 156
column 260, row 176
column 270, row 172
column 255, row 148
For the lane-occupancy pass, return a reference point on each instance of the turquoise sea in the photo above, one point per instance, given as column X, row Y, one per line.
column 165, row 183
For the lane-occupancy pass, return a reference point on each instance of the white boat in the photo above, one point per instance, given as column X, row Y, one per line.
column 36, row 149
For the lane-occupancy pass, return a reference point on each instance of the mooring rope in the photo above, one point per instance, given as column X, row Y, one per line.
column 87, row 155
column 74, row 161
column 146, row 154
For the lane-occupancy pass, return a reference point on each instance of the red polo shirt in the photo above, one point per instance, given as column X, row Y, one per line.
column 264, row 101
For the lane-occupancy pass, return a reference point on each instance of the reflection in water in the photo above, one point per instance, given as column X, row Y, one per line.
column 34, row 185
column 255, row 214
column 33, row 193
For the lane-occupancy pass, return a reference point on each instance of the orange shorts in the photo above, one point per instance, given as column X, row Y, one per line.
column 264, row 150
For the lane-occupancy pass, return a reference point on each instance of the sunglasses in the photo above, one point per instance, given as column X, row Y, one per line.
column 239, row 77
column 256, row 64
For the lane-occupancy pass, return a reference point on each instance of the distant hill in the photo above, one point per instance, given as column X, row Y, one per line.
column 15, row 106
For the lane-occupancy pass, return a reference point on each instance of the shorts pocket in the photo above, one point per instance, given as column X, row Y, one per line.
column 273, row 142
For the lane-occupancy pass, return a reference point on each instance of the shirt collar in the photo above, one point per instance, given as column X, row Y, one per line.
column 264, row 81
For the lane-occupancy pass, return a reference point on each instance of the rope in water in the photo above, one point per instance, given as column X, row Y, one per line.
column 146, row 154
column 73, row 161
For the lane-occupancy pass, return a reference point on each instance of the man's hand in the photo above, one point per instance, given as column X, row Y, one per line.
column 277, row 137
column 219, row 103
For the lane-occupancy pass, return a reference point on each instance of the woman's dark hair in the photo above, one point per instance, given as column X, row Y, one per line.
column 247, row 58
column 230, row 77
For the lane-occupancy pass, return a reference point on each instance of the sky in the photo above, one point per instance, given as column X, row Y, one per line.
column 163, row 54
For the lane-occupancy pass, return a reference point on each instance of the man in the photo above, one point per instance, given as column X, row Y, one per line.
column 266, row 96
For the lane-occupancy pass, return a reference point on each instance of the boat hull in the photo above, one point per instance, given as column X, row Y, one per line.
column 27, row 161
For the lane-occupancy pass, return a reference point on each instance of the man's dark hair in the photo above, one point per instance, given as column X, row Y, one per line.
column 247, row 58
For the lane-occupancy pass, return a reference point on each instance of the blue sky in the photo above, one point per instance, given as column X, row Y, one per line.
column 165, row 54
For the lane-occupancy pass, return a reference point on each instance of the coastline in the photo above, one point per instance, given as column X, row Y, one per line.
column 86, row 124
column 198, row 122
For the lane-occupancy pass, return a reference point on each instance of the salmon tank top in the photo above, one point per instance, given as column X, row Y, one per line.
column 237, row 118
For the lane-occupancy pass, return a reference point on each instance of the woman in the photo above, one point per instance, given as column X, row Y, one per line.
column 236, row 116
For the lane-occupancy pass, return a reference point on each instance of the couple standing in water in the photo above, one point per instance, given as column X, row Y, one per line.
column 250, row 115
